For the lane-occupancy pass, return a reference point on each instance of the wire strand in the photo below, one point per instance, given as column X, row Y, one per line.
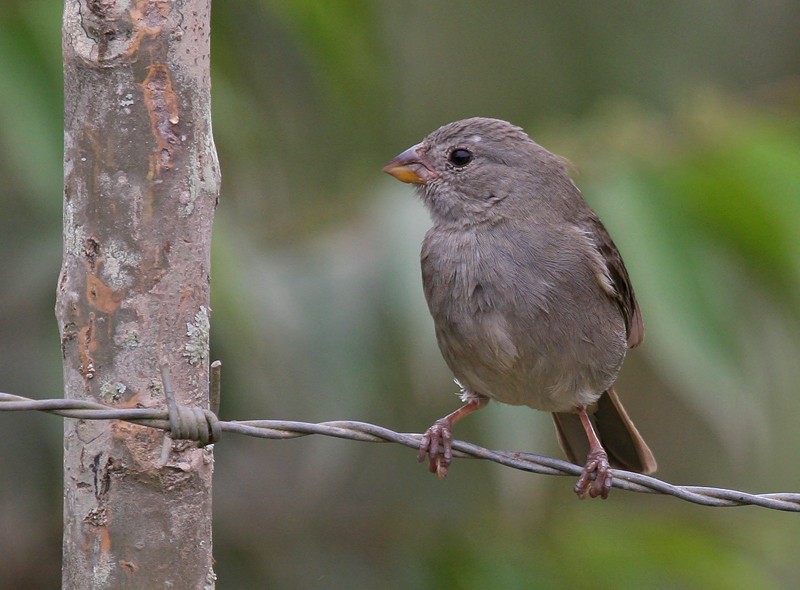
column 365, row 432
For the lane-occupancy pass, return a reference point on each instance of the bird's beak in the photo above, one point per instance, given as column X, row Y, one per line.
column 412, row 166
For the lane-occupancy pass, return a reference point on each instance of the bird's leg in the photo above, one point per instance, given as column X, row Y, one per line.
column 596, row 463
column 437, row 442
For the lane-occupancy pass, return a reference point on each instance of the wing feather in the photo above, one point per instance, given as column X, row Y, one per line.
column 613, row 276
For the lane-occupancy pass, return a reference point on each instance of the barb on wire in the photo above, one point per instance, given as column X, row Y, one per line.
column 364, row 432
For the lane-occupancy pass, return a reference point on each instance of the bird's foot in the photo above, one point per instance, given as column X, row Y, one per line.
column 437, row 445
column 597, row 466
column 437, row 442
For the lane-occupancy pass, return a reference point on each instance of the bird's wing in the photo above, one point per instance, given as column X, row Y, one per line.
column 614, row 277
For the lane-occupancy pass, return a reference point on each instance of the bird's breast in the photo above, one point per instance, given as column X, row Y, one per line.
column 509, row 328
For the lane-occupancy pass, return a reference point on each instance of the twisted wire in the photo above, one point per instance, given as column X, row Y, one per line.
column 365, row 432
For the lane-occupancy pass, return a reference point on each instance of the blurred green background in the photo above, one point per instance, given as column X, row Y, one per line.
column 681, row 120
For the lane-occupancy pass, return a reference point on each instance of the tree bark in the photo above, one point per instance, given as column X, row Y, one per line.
column 140, row 190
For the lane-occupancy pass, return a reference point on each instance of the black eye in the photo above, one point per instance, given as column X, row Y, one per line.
column 460, row 157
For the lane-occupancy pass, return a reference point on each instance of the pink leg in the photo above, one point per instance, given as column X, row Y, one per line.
column 596, row 463
column 437, row 442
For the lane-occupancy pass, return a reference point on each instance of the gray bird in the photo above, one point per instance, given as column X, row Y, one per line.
column 530, row 299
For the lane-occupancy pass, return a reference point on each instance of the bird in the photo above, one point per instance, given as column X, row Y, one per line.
column 531, row 302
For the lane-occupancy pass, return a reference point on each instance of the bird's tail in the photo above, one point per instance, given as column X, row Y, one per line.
column 625, row 446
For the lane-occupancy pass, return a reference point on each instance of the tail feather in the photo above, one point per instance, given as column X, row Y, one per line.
column 625, row 446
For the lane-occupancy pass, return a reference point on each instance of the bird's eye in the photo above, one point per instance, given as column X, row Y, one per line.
column 460, row 157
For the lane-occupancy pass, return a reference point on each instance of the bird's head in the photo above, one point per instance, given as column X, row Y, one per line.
column 478, row 170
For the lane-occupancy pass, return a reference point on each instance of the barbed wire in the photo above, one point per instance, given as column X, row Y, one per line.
column 365, row 432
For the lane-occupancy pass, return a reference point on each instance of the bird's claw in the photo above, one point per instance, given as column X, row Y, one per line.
column 597, row 466
column 437, row 445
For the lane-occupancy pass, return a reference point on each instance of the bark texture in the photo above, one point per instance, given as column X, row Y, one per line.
column 141, row 186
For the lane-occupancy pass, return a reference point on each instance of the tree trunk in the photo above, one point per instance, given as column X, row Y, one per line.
column 141, row 183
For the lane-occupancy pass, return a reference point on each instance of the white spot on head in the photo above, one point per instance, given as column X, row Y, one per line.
column 475, row 138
